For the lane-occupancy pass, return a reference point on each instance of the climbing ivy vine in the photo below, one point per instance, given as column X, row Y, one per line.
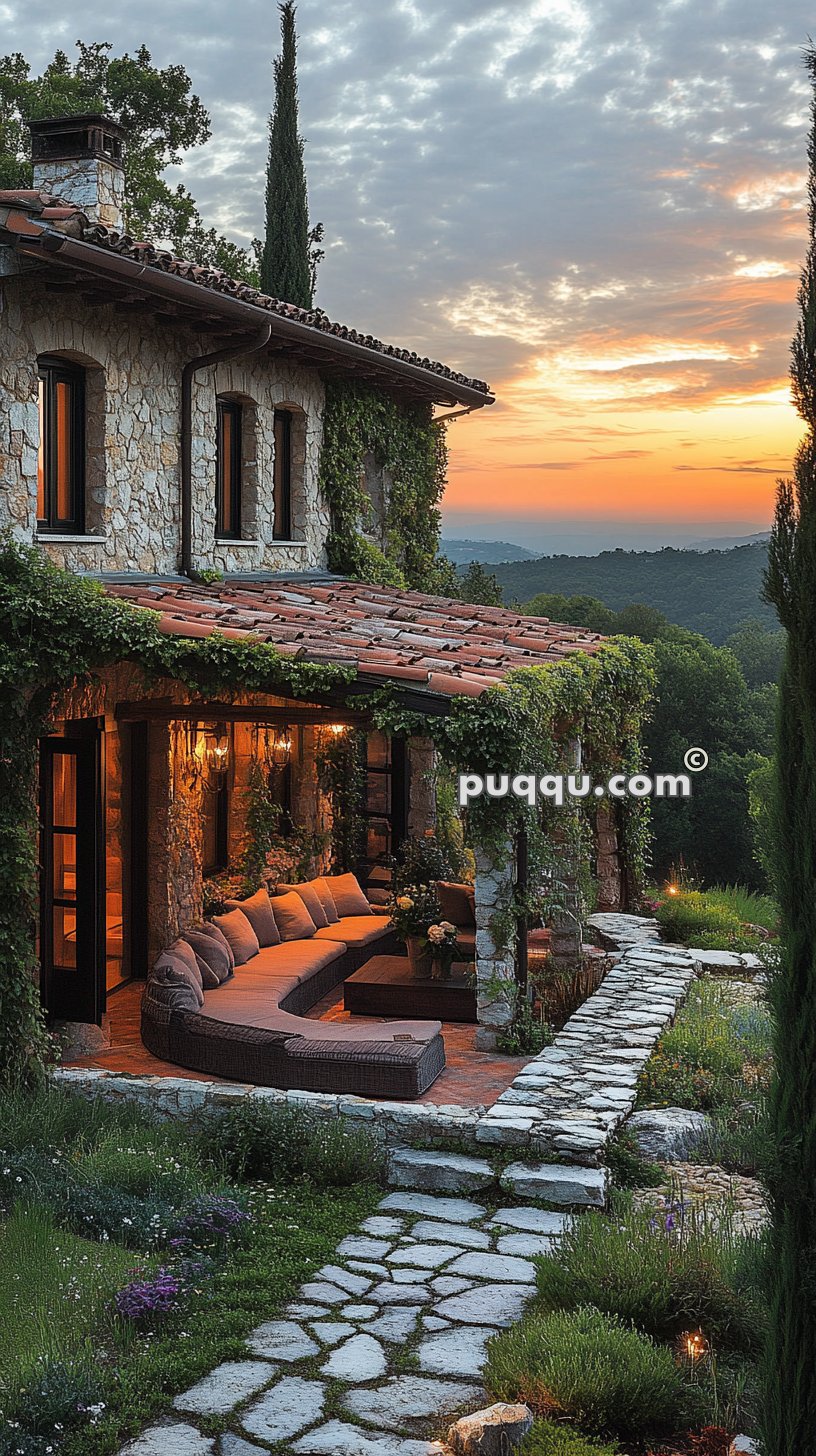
column 57, row 629
column 407, row 444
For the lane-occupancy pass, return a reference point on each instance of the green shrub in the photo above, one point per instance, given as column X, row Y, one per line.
column 712, row 1055
column 738, row 1140
column 666, row 1274
column 547, row 1438
column 49, row 1118
column 593, row 1368
column 254, row 1140
column 138, row 1162
column 627, row 1165
column 718, row 919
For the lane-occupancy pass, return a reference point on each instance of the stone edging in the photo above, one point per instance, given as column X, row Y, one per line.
column 565, row 1104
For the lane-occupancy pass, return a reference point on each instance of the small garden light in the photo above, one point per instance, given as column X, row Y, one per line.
column 693, row 1347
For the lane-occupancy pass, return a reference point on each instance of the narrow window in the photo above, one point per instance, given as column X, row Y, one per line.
column 228, row 470
column 61, row 455
column 282, row 499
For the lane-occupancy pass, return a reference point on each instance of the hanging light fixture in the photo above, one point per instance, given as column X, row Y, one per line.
column 280, row 749
column 213, row 751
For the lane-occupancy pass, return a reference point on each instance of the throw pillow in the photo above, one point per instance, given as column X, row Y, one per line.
column 311, row 900
column 173, row 997
column 213, row 959
column 238, row 931
column 347, row 895
column 456, row 902
column 258, row 911
column 326, row 899
column 294, row 920
column 207, row 928
column 174, row 970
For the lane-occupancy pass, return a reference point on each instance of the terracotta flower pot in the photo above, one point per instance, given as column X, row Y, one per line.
column 419, row 960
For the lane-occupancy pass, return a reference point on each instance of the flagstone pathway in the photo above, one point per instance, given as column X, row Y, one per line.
column 383, row 1346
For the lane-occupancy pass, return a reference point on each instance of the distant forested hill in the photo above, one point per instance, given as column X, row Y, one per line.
column 709, row 591
column 461, row 551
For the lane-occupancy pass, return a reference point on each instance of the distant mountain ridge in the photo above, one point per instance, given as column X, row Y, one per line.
column 709, row 591
column 726, row 543
column 461, row 551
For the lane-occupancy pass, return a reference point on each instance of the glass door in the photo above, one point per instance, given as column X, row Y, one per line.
column 72, row 943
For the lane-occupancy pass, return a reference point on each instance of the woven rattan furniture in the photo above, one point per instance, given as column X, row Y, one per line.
column 384, row 986
column 253, row 1029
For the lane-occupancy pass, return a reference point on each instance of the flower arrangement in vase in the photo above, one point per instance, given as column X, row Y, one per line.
column 413, row 911
column 441, row 939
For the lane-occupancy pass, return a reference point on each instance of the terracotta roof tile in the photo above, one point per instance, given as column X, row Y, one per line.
column 445, row 647
column 66, row 217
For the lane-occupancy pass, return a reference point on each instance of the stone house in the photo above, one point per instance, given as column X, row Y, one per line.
column 161, row 424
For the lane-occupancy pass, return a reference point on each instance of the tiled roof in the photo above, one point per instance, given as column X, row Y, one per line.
column 64, row 217
column 426, row 643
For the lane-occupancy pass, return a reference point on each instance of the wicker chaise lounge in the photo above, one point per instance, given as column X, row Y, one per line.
column 250, row 1026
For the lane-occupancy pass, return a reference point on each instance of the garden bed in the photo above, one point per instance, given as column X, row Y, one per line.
column 148, row 1258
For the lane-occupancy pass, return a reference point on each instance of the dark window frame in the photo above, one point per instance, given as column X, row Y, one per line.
column 229, row 528
column 282, row 481
column 53, row 371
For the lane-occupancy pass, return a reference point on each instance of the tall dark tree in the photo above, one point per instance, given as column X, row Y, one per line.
column 789, row 1407
column 287, row 262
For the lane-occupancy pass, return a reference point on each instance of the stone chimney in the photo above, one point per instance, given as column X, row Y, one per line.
column 79, row 158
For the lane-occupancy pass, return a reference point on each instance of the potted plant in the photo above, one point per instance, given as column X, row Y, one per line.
column 413, row 911
column 442, row 941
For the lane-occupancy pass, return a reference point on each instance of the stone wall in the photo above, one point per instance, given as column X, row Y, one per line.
column 90, row 183
column 495, row 968
column 608, row 870
column 133, row 388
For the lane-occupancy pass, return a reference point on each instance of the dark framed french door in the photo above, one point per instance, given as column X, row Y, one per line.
column 72, row 873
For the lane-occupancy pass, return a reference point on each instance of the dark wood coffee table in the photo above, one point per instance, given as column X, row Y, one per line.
column 384, row 986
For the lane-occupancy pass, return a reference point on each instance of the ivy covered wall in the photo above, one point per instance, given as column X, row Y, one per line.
column 411, row 451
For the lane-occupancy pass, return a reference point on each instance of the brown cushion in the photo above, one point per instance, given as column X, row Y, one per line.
column 357, row 930
column 174, row 970
column 326, row 899
column 347, row 895
column 311, row 900
column 456, row 902
column 258, row 912
column 238, row 931
column 207, row 928
column 294, row 920
column 214, row 960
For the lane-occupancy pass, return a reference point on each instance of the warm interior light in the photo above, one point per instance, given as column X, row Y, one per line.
column 281, row 749
column 337, row 728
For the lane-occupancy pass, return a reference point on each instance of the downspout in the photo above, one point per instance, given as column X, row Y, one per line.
column 229, row 351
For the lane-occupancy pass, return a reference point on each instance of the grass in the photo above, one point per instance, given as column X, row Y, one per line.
column 715, row 1055
column 53, row 1291
column 739, row 1140
column 549, row 1438
column 126, row 1178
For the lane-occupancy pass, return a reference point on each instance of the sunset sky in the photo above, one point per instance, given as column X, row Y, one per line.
column 599, row 208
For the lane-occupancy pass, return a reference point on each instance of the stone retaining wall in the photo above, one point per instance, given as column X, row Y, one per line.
column 563, row 1106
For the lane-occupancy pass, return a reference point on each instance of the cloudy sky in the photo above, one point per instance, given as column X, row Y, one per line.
column 598, row 207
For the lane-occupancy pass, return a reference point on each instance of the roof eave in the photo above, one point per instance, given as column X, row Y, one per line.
column 49, row 244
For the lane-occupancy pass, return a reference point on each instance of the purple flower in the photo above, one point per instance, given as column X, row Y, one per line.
column 143, row 1297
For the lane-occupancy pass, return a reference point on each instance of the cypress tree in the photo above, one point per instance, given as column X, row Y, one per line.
column 789, row 1403
column 286, row 264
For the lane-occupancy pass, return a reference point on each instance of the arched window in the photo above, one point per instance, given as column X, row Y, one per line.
column 228, row 504
column 282, row 477
column 61, row 455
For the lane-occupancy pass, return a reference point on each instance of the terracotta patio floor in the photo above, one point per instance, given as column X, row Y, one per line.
column 470, row 1078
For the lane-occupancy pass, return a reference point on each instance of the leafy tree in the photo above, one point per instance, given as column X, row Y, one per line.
column 479, row 587
column 162, row 119
column 789, row 1404
column 290, row 252
column 702, row 700
column 760, row 651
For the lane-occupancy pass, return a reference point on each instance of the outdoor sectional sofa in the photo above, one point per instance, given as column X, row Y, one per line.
column 228, row 997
